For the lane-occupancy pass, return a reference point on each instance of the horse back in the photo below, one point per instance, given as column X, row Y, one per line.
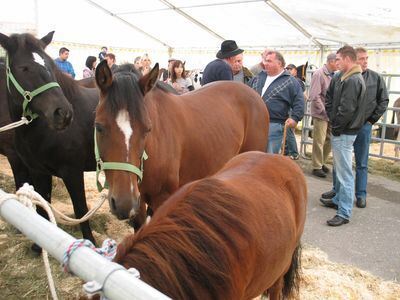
column 256, row 207
column 205, row 128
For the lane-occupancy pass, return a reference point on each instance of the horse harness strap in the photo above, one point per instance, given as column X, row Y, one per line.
column 120, row 166
column 28, row 95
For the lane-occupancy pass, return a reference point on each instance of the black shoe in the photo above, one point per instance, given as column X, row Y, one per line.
column 328, row 203
column 361, row 203
column 325, row 169
column 329, row 195
column 337, row 221
column 319, row 173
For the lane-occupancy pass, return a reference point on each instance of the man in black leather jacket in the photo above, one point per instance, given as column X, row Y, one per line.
column 346, row 107
column 377, row 101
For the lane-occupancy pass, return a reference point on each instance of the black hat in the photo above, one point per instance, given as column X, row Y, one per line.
column 228, row 49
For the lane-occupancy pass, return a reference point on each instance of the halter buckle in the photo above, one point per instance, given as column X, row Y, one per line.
column 29, row 118
column 99, row 163
column 28, row 96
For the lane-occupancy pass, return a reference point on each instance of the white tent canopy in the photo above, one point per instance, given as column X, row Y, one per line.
column 193, row 24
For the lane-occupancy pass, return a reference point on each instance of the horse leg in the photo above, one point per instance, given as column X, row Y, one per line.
column 43, row 185
column 275, row 291
column 20, row 171
column 75, row 185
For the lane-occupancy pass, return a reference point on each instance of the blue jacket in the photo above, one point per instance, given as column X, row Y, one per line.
column 283, row 95
column 215, row 71
column 65, row 66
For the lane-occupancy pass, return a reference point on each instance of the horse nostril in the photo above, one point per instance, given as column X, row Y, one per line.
column 60, row 113
column 68, row 116
column 63, row 115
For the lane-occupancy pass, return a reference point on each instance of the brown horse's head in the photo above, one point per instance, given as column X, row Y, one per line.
column 32, row 76
column 122, row 124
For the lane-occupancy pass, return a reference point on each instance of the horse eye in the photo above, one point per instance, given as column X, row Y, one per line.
column 99, row 127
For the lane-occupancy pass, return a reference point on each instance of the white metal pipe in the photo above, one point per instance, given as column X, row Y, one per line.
column 117, row 282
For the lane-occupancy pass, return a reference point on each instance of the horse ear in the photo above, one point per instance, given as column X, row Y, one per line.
column 104, row 76
column 147, row 81
column 5, row 42
column 47, row 38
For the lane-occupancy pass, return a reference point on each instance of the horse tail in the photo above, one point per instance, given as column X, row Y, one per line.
column 292, row 277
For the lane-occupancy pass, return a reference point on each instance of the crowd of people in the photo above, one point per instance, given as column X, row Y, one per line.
column 346, row 99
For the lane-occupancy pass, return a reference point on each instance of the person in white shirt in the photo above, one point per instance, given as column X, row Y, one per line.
column 281, row 93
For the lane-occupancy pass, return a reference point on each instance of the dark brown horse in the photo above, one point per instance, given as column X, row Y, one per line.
column 233, row 235
column 59, row 141
column 7, row 147
column 186, row 137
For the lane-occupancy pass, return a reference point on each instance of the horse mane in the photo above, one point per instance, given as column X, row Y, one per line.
column 69, row 86
column 128, row 67
column 125, row 92
column 188, row 249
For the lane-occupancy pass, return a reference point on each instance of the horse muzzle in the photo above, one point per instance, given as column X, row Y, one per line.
column 124, row 209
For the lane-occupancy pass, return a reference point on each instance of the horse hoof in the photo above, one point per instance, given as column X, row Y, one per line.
column 36, row 249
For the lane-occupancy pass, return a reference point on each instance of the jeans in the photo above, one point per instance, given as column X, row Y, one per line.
column 361, row 152
column 291, row 144
column 342, row 148
column 275, row 137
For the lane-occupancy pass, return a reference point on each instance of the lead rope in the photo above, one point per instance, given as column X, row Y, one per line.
column 23, row 121
column 65, row 220
column 29, row 198
column 284, row 140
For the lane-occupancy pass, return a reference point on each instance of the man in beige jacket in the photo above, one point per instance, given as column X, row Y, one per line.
column 321, row 135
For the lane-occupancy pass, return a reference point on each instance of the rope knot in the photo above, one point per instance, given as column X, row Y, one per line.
column 108, row 250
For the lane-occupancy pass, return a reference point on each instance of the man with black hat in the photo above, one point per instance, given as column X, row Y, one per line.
column 221, row 68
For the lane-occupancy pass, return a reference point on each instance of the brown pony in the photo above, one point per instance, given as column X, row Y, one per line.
column 234, row 235
column 186, row 137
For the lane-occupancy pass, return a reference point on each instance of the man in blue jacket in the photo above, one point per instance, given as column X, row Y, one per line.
column 280, row 92
column 63, row 64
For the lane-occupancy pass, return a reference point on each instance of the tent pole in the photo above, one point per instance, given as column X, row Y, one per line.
column 191, row 19
column 127, row 23
column 292, row 22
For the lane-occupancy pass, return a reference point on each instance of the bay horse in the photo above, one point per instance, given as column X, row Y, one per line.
column 59, row 141
column 233, row 235
column 186, row 137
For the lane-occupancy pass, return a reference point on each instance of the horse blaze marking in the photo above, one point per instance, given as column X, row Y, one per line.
column 123, row 122
column 38, row 59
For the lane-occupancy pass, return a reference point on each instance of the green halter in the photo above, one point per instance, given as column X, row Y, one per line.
column 101, row 166
column 28, row 96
